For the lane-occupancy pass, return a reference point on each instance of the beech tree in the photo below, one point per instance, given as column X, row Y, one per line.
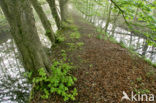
column 22, row 26
column 45, row 22
column 63, row 10
column 54, row 12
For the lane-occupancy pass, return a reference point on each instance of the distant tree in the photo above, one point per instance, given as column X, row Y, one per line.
column 108, row 18
column 63, row 10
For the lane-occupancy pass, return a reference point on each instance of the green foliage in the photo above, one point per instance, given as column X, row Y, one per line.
column 79, row 44
column 112, row 39
column 141, row 91
column 148, row 61
column 47, row 32
column 60, row 38
column 28, row 74
column 91, row 65
column 69, row 25
column 122, row 44
column 150, row 73
column 75, row 45
column 139, row 79
column 141, row 85
column 72, row 46
column 90, row 35
column 99, row 36
column 59, row 82
column 73, row 27
column 75, row 35
column 138, row 14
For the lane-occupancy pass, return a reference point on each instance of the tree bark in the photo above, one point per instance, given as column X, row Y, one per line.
column 45, row 22
column 144, row 49
column 54, row 12
column 63, row 10
column 22, row 25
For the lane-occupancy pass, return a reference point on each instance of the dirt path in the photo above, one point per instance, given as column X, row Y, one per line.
column 104, row 69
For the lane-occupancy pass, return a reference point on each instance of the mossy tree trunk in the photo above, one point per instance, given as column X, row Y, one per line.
column 45, row 22
column 55, row 14
column 22, row 25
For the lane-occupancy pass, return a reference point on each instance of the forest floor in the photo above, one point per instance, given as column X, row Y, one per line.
column 103, row 69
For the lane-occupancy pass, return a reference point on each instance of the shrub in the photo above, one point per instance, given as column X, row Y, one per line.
column 59, row 82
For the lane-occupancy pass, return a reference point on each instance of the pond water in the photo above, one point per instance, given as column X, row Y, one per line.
column 129, row 39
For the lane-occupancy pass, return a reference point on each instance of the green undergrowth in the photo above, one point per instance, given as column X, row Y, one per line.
column 75, row 35
column 69, row 25
column 139, row 86
column 149, row 62
column 60, row 37
column 61, row 82
column 77, row 45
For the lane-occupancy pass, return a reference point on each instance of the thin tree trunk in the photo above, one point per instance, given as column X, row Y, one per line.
column 45, row 22
column 114, row 23
column 144, row 49
column 54, row 12
column 108, row 18
column 22, row 25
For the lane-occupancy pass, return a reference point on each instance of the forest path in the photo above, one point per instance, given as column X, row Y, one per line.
column 103, row 69
column 111, row 69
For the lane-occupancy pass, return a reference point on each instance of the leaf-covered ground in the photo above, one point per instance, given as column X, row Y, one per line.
column 103, row 69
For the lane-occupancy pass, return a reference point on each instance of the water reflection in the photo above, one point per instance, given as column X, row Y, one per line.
column 138, row 43
column 14, row 87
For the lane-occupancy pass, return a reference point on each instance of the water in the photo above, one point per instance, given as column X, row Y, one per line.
column 13, row 85
column 129, row 39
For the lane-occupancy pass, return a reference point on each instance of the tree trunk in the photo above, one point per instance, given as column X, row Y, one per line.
column 63, row 10
column 144, row 49
column 108, row 18
column 114, row 23
column 55, row 15
column 22, row 25
column 45, row 22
